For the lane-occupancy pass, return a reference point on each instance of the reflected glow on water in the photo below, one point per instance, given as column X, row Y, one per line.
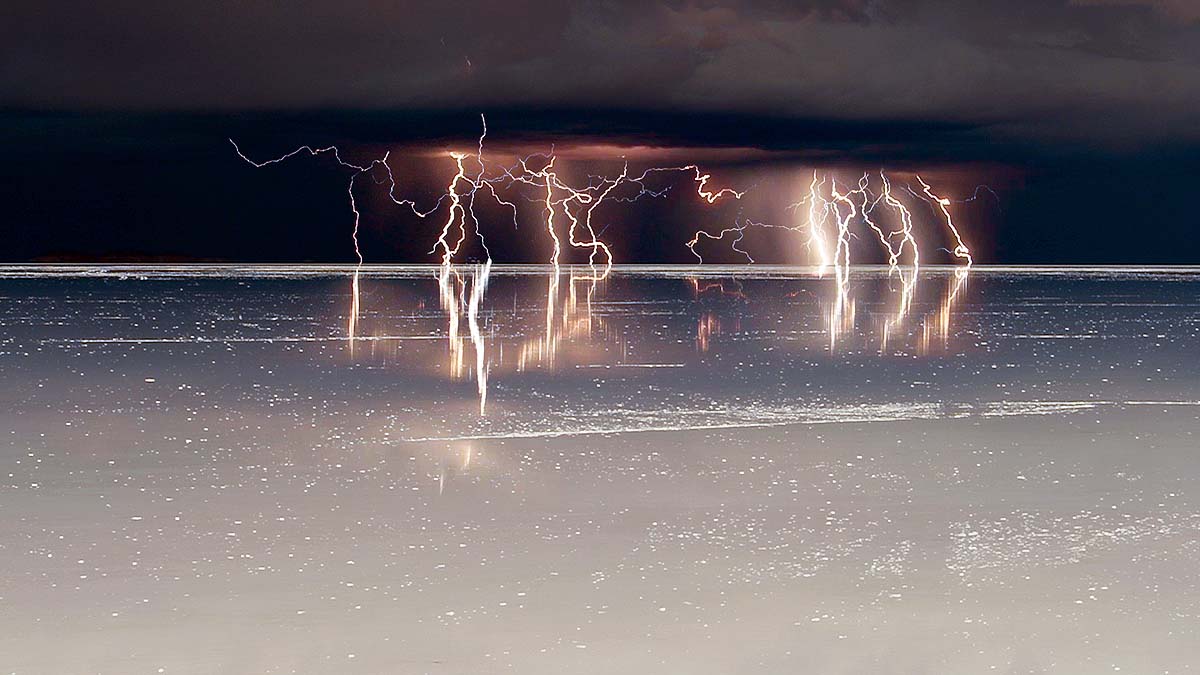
column 576, row 306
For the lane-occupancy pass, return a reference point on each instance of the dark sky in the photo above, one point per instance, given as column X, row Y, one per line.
column 1084, row 115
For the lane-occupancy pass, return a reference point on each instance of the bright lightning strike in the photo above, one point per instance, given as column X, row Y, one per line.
column 960, row 249
column 832, row 214
column 568, row 214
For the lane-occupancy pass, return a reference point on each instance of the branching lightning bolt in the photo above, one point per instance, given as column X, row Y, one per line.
column 569, row 216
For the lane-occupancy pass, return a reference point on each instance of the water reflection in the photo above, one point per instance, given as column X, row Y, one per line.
column 457, row 463
column 572, row 321
column 941, row 329
column 355, row 308
column 513, row 324
column 895, row 324
column 453, row 284
column 702, row 286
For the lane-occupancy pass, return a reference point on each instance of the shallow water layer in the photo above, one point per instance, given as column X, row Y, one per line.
column 411, row 470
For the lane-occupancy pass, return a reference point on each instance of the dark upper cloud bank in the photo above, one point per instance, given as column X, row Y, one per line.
column 114, row 116
column 1102, row 71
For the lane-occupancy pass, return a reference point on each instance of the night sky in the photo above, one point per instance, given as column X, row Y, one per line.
column 1082, row 115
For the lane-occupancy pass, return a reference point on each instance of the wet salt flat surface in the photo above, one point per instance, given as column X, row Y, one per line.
column 674, row 471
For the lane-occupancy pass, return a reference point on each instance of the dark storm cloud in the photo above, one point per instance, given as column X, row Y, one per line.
column 1114, row 71
column 114, row 116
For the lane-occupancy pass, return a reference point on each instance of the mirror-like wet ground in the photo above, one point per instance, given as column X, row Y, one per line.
column 669, row 470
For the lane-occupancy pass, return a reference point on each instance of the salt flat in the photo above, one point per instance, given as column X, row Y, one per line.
column 261, row 470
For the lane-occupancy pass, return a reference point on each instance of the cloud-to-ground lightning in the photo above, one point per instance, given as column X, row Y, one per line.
column 826, row 217
column 566, row 205
column 960, row 248
column 827, row 203
column 832, row 213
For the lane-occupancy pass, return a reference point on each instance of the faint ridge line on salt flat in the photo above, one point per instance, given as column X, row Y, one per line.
column 558, row 433
column 632, row 365
column 286, row 338
column 912, row 412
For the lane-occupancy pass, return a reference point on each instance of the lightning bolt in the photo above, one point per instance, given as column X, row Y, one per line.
column 563, row 202
column 816, row 223
column 841, row 317
column 701, row 179
column 845, row 207
column 359, row 170
column 569, row 216
column 739, row 229
column 456, row 215
column 576, row 206
column 906, row 226
column 960, row 249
